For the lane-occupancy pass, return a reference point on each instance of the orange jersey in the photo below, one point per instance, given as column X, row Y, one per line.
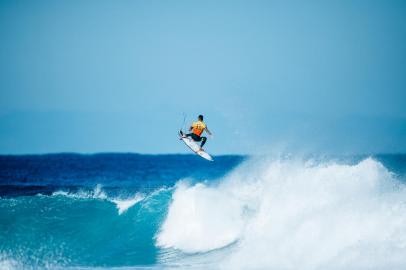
column 198, row 127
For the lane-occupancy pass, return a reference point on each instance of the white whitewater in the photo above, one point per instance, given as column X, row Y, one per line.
column 122, row 203
column 293, row 215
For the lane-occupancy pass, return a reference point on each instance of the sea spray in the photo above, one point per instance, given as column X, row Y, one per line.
column 302, row 215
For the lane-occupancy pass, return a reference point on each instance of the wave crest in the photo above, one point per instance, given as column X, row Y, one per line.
column 122, row 204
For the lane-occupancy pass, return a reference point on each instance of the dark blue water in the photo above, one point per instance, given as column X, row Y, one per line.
column 33, row 174
column 130, row 210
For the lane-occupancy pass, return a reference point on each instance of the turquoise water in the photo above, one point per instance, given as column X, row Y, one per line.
column 133, row 211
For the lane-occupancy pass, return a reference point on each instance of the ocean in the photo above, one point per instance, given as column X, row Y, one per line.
column 131, row 211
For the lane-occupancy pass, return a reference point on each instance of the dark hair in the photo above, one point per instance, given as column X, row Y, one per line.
column 200, row 117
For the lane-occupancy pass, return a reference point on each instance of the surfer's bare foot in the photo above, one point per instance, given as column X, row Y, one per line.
column 201, row 149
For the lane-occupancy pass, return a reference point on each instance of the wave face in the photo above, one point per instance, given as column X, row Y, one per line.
column 264, row 214
column 76, row 229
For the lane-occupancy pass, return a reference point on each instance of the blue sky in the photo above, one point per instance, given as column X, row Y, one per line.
column 269, row 76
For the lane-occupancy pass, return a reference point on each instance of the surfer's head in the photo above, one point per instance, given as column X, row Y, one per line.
column 200, row 117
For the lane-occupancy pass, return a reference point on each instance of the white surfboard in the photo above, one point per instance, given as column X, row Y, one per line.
column 195, row 147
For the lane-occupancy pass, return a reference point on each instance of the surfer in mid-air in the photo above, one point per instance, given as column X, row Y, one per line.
column 197, row 129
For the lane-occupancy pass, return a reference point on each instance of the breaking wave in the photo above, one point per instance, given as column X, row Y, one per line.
column 293, row 215
column 265, row 214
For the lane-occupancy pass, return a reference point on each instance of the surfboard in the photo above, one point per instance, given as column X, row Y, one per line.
column 195, row 147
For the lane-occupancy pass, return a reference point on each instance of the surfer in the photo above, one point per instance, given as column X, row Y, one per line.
column 197, row 129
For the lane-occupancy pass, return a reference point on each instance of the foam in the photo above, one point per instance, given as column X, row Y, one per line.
column 122, row 204
column 200, row 219
column 8, row 264
column 292, row 214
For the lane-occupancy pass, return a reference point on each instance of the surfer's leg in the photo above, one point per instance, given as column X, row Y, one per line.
column 204, row 139
column 195, row 137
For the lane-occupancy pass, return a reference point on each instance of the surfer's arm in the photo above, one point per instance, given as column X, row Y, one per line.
column 191, row 128
column 208, row 131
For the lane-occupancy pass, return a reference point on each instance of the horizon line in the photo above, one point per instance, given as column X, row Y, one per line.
column 186, row 154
